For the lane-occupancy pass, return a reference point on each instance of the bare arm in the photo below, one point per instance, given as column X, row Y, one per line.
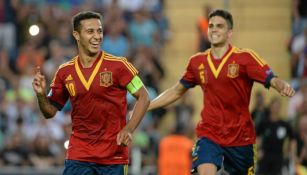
column 39, row 86
column 168, row 96
column 282, row 87
column 124, row 137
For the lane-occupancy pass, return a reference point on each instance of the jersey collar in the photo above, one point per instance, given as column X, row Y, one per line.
column 87, row 84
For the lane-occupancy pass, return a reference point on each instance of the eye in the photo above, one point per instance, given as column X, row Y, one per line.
column 99, row 31
column 220, row 26
column 90, row 31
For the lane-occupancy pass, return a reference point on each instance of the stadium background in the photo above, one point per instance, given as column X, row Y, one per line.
column 264, row 26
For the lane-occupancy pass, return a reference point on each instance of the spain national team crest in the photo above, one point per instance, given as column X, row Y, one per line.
column 233, row 70
column 106, row 79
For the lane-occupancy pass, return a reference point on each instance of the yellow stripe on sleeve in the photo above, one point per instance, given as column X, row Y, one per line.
column 257, row 57
column 125, row 62
column 254, row 55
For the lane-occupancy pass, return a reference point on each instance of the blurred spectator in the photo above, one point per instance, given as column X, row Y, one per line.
column 56, row 58
column 143, row 30
column 184, row 112
column 41, row 156
column 202, row 29
column 114, row 42
column 302, row 145
column 65, row 39
column 29, row 57
column 299, row 16
column 3, row 115
column 296, row 101
column 114, row 14
column 301, row 111
column 299, row 55
column 6, row 73
column 272, row 135
column 7, row 25
column 130, row 7
column 163, row 25
column 175, row 153
column 150, row 69
column 15, row 151
column 260, row 112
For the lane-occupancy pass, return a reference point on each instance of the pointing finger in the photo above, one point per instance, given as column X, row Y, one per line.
column 38, row 70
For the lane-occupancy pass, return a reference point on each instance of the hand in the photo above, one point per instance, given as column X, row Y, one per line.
column 287, row 90
column 124, row 137
column 39, row 82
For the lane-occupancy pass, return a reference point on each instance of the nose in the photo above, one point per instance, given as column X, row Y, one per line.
column 98, row 35
column 213, row 29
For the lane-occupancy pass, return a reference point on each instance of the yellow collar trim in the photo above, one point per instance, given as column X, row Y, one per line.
column 217, row 71
column 87, row 84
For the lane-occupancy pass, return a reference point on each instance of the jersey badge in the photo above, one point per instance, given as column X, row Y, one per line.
column 106, row 79
column 233, row 70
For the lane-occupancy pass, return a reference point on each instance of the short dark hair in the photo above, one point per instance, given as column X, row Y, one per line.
column 76, row 20
column 224, row 14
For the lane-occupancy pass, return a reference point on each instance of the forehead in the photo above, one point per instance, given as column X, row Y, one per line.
column 217, row 20
column 92, row 23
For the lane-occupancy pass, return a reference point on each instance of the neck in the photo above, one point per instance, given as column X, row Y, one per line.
column 219, row 51
column 87, row 60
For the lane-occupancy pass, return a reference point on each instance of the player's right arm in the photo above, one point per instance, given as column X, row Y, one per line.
column 39, row 86
column 168, row 96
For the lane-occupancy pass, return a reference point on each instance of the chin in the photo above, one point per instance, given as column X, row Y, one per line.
column 93, row 53
column 94, row 50
column 218, row 44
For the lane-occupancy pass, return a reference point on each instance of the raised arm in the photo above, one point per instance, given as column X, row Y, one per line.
column 282, row 87
column 168, row 96
column 39, row 86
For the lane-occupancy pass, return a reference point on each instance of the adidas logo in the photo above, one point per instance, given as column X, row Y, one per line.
column 69, row 78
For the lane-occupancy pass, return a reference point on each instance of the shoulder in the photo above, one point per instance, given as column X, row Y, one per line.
column 199, row 55
column 115, row 59
column 68, row 64
column 119, row 62
column 249, row 53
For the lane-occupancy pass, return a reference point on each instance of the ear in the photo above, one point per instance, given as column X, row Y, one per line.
column 76, row 35
column 230, row 32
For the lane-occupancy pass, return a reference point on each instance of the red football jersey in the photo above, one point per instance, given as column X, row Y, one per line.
column 99, row 106
column 226, row 84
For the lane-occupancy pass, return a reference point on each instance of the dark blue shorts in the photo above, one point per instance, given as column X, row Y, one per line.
column 74, row 167
column 237, row 160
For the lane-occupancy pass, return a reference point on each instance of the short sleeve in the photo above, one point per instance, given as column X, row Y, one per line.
column 58, row 95
column 126, row 73
column 258, row 70
column 188, row 80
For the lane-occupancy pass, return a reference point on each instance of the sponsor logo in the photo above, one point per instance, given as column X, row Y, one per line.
column 69, row 78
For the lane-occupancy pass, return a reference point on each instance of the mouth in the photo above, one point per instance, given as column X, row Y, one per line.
column 95, row 45
column 214, row 36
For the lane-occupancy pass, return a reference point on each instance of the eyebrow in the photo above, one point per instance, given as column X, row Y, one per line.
column 218, row 24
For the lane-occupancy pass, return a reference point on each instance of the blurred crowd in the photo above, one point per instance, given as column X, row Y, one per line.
column 297, row 106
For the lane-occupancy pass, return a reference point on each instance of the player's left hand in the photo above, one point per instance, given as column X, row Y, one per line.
column 287, row 90
column 124, row 137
